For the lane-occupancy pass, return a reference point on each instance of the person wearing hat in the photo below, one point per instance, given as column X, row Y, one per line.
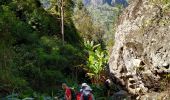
column 86, row 92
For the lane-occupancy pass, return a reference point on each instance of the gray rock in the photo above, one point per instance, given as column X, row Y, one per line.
column 142, row 47
column 121, row 95
column 121, row 92
column 156, row 96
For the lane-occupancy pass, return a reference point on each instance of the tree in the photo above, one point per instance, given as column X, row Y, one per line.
column 62, row 20
column 63, row 10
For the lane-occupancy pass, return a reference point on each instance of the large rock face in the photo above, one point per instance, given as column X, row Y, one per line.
column 142, row 47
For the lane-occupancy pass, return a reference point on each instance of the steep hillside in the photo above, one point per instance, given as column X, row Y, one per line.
column 32, row 57
column 102, row 15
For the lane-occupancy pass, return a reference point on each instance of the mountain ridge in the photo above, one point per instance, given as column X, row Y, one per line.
column 102, row 2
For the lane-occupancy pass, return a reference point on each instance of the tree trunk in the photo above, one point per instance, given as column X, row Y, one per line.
column 62, row 20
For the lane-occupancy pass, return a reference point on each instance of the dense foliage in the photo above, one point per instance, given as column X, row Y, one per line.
column 96, row 22
column 32, row 57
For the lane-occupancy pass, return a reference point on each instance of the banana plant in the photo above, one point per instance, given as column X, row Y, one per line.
column 96, row 62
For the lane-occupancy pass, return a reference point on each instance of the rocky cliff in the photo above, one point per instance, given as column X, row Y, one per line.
column 141, row 54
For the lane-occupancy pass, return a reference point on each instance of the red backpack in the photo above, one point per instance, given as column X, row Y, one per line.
column 88, row 97
column 78, row 96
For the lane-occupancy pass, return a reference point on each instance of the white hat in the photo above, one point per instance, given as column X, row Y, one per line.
column 84, row 84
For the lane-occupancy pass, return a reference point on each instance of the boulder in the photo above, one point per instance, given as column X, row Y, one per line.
column 121, row 95
column 141, row 53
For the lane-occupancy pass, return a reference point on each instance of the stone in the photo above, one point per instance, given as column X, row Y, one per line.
column 141, row 47
column 156, row 96
column 121, row 92
column 121, row 95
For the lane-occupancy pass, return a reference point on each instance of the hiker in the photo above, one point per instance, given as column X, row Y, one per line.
column 86, row 92
column 67, row 92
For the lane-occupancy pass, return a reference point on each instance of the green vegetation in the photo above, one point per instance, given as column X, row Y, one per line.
column 96, row 62
column 164, row 4
column 32, row 57
column 33, row 60
column 97, row 23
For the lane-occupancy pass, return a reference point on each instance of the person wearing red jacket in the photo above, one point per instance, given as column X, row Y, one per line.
column 86, row 92
column 67, row 92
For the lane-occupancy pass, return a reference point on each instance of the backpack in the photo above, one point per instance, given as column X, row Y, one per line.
column 73, row 94
column 86, row 97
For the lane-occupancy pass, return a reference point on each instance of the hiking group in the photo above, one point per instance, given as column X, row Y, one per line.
column 85, row 92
